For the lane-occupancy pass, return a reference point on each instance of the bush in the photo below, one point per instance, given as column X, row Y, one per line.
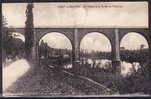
column 134, row 83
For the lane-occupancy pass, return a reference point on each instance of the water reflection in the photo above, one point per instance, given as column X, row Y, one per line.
column 68, row 66
column 126, row 68
column 94, row 63
column 105, row 63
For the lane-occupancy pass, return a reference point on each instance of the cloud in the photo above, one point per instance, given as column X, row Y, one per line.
column 133, row 41
column 57, row 40
column 95, row 41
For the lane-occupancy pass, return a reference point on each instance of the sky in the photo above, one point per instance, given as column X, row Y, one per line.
column 95, row 42
column 133, row 41
column 117, row 14
column 57, row 40
column 67, row 14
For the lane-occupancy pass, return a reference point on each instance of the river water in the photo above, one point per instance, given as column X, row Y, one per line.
column 104, row 63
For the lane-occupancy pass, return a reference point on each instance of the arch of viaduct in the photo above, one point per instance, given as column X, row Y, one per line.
column 75, row 35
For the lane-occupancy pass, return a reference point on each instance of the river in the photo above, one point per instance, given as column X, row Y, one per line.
column 104, row 63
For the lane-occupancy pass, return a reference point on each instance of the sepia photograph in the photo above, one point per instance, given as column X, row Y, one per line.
column 61, row 49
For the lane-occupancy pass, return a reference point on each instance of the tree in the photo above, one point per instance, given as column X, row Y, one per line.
column 5, row 32
column 29, row 30
column 4, row 38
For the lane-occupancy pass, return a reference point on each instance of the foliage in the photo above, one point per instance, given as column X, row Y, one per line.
column 97, row 54
column 11, row 46
column 6, row 44
column 5, row 33
column 54, row 56
column 136, row 82
column 131, row 56
column 47, row 52
column 29, row 30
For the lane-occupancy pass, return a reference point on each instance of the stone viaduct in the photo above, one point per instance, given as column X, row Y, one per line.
column 76, row 34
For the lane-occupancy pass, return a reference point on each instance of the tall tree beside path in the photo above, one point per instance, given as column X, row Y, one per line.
column 29, row 30
column 5, row 32
column 5, row 39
